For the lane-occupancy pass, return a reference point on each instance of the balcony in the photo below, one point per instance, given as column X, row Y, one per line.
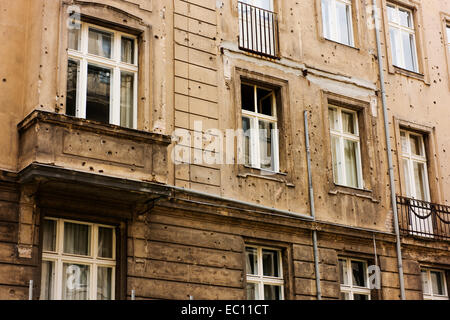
column 60, row 141
column 423, row 219
column 258, row 31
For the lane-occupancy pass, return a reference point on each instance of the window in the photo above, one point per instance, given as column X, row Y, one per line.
column 102, row 75
column 448, row 37
column 434, row 285
column 414, row 160
column 345, row 147
column 260, row 126
column 78, row 261
column 337, row 21
column 403, row 39
column 264, row 273
column 354, row 279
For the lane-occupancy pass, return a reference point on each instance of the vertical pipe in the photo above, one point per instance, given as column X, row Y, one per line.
column 389, row 154
column 312, row 207
column 30, row 290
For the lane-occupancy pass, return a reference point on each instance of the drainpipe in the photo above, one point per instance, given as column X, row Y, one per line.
column 388, row 147
column 312, row 208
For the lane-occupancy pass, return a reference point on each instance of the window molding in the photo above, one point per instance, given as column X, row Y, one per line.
column 115, row 19
column 286, row 167
column 433, row 168
column 357, row 26
column 422, row 56
column 367, row 146
column 445, row 19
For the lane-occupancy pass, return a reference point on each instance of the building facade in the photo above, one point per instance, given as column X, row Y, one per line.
column 224, row 149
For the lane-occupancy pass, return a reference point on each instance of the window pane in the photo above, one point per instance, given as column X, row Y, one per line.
column 252, row 291
column 264, row 4
column 105, row 242
column 248, row 97
column 128, row 50
column 126, row 99
column 405, row 18
column 360, row 297
column 49, row 235
column 348, row 122
column 415, row 145
column 265, row 144
column 265, row 101
column 391, row 14
column 77, row 238
column 75, row 282
column 343, row 22
column 419, row 180
column 407, row 178
column 350, row 157
column 404, row 143
column 425, row 284
column 326, row 19
column 271, row 263
column 336, row 164
column 333, row 118
column 345, row 296
column 272, row 292
column 100, row 43
column 104, row 283
column 73, row 40
column 448, row 35
column 437, row 282
column 394, row 40
column 247, row 145
column 343, row 271
column 98, row 93
column 408, row 51
column 251, row 260
column 47, row 280
column 358, row 274
column 73, row 71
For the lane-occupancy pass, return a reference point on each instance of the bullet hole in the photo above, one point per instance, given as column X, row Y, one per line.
column 4, row 79
column 83, row 163
column 91, row 168
column 109, row 153
column 156, row 36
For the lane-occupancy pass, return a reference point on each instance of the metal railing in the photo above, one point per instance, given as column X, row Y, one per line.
column 423, row 219
column 258, row 30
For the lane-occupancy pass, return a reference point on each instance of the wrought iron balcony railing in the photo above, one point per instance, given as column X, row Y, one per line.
column 258, row 30
column 423, row 219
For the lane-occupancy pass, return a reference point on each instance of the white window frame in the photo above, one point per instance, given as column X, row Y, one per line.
column 447, row 30
column 349, row 288
column 430, row 295
column 254, row 152
column 399, row 44
column 260, row 280
column 333, row 22
column 341, row 136
column 411, row 158
column 58, row 257
column 84, row 57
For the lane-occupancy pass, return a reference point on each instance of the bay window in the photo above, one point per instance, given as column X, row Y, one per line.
column 102, row 75
column 78, row 261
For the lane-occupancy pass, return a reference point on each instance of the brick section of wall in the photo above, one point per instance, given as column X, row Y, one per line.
column 196, row 90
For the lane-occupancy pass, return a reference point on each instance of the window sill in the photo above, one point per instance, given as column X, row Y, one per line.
column 362, row 193
column 342, row 44
column 248, row 171
column 409, row 73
